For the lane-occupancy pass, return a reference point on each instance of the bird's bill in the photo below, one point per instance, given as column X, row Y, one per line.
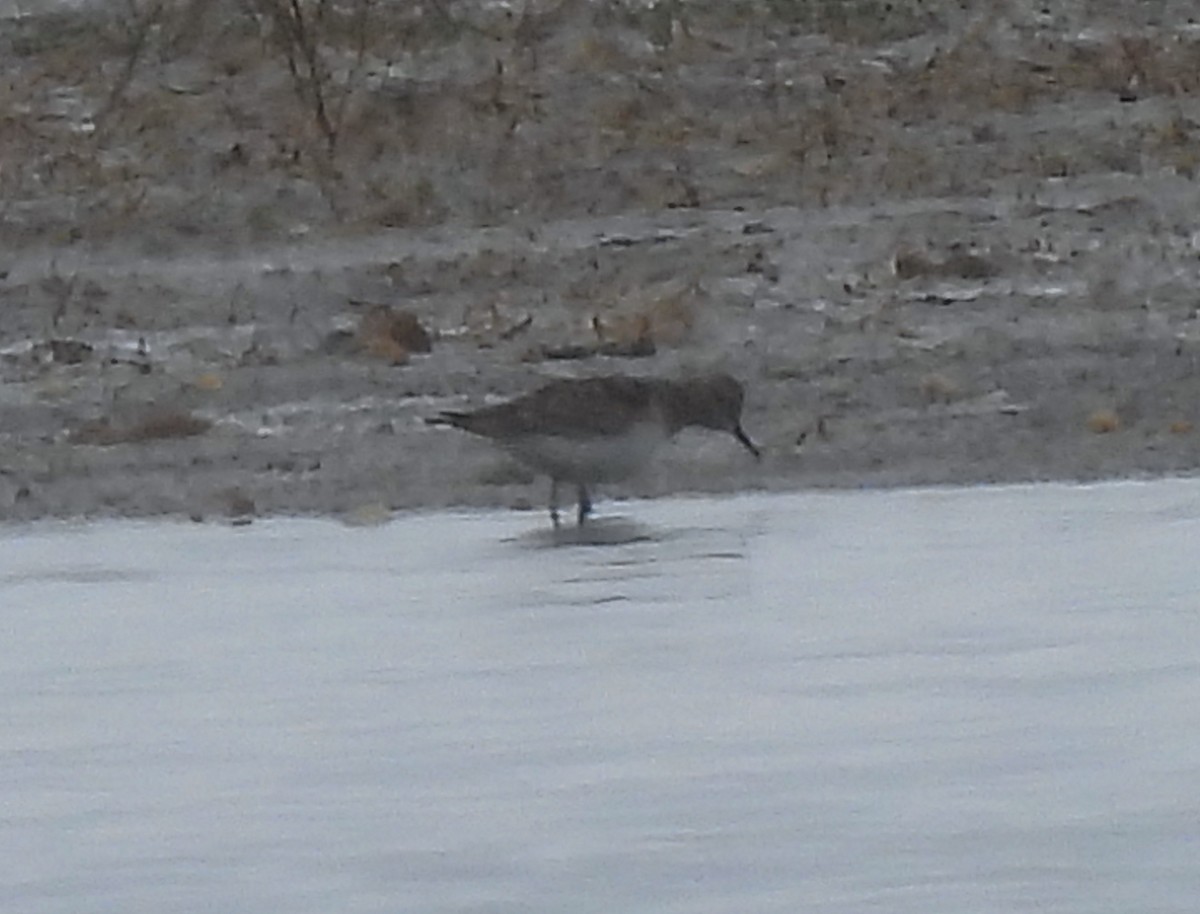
column 741, row 436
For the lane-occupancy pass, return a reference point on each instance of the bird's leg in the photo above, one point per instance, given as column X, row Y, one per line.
column 554, row 502
column 585, row 503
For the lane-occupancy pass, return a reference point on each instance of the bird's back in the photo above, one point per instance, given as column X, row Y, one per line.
column 573, row 408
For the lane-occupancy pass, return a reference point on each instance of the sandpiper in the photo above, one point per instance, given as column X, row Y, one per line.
column 589, row 430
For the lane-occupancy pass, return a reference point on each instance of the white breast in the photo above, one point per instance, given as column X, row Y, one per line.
column 597, row 459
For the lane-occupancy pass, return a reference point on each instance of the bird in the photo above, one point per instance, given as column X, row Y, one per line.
column 583, row 431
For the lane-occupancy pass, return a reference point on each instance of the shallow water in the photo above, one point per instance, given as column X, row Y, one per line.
column 914, row 701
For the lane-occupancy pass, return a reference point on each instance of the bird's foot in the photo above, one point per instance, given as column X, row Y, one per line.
column 585, row 504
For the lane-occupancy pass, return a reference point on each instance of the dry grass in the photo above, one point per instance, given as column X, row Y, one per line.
column 1103, row 421
column 392, row 335
column 158, row 427
column 661, row 315
column 523, row 107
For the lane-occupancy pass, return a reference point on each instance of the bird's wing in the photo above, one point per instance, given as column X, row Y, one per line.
column 573, row 408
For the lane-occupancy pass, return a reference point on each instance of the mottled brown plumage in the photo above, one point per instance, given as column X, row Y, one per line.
column 589, row 430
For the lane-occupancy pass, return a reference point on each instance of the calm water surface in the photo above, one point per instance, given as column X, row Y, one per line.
column 949, row 701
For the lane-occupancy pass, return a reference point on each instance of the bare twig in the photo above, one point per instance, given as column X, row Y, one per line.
column 303, row 33
column 296, row 34
column 138, row 24
column 361, row 29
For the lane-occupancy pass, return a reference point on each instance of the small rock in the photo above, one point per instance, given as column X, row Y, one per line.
column 937, row 388
column 1103, row 421
column 68, row 352
column 387, row 330
column 387, row 349
column 370, row 515
column 239, row 506
column 209, row 381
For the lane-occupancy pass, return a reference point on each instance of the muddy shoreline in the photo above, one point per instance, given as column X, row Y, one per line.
column 1024, row 308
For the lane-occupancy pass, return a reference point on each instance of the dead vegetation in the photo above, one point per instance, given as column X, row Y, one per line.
column 957, row 264
column 237, row 120
column 157, row 427
column 392, row 334
column 901, row 324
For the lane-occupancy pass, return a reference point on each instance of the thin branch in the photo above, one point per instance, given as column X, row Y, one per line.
column 138, row 29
